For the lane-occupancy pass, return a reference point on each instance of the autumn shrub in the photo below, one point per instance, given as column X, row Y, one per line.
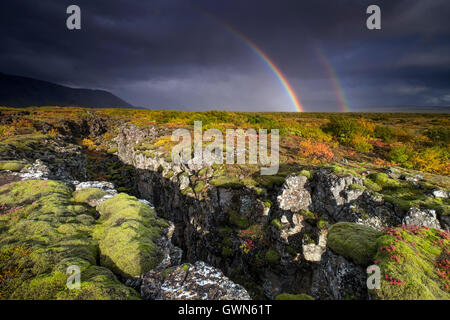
column 306, row 131
column 385, row 133
column 400, row 154
column 434, row 159
column 88, row 143
column 361, row 143
column 316, row 151
column 345, row 129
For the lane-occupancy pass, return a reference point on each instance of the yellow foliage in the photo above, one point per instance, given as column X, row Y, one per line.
column 88, row 143
column 53, row 133
column 7, row 131
column 163, row 141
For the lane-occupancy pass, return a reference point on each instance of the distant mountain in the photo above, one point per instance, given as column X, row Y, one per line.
column 18, row 91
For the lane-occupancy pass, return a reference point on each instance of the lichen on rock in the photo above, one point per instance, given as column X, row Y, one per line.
column 191, row 282
column 353, row 241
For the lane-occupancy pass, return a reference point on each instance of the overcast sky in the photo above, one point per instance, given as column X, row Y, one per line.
column 178, row 54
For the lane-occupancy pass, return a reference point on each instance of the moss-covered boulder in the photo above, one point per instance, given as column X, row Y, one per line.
column 126, row 235
column 42, row 233
column 414, row 263
column 353, row 241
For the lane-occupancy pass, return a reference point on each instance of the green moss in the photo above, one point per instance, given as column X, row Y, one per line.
column 225, row 231
column 267, row 203
column 272, row 257
column 357, row 187
column 415, row 261
column 260, row 191
column 353, row 241
column 291, row 251
column 237, row 220
column 45, row 235
column 308, row 238
column 309, row 216
column 126, row 235
column 383, row 180
column 170, row 174
column 25, row 142
column 401, row 203
column 369, row 184
column 88, row 194
column 287, row 296
column 322, row 224
column 187, row 191
column 199, row 186
column 112, row 150
column 408, row 196
column 277, row 224
column 167, row 272
column 186, row 267
column 337, row 169
column 12, row 165
column 269, row 182
column 306, row 173
column 227, row 182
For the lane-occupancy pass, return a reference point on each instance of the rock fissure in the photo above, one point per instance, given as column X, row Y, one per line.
column 271, row 238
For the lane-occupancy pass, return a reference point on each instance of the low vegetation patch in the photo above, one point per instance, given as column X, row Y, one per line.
column 288, row 296
column 88, row 194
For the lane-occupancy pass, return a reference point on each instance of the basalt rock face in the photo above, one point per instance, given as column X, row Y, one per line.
column 295, row 256
column 338, row 279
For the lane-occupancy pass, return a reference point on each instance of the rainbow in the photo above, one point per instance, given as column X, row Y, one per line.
column 343, row 102
column 290, row 91
column 285, row 83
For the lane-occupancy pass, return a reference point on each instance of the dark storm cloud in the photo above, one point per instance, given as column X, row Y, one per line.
column 179, row 54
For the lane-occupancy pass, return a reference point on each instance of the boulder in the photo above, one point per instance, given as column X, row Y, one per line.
column 333, row 191
column 191, row 282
